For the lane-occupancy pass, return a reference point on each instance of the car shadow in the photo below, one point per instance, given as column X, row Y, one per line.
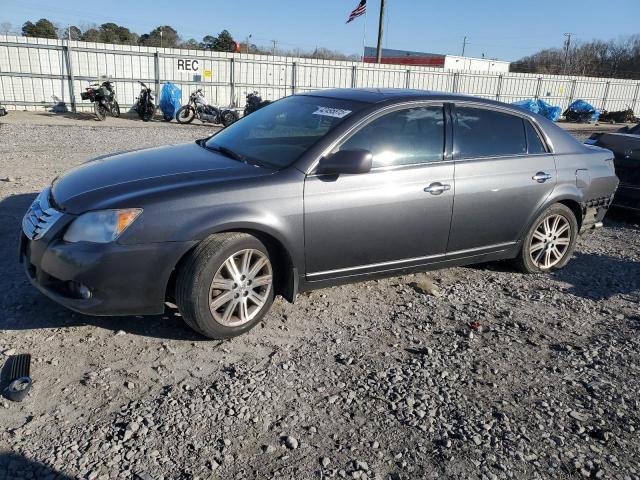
column 591, row 276
column 25, row 308
column 14, row 465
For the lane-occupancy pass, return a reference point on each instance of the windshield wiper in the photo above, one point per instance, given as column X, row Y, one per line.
column 227, row 152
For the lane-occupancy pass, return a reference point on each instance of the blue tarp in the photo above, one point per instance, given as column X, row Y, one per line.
column 580, row 106
column 170, row 100
column 541, row 107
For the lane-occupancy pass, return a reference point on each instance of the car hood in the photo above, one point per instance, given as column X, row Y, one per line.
column 93, row 183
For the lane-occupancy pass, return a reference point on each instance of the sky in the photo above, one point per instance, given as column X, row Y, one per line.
column 503, row 29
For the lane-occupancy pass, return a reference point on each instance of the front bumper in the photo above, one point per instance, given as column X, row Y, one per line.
column 122, row 279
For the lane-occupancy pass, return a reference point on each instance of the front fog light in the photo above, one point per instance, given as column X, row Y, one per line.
column 79, row 290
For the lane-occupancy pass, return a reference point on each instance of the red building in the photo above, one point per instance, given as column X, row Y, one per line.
column 404, row 57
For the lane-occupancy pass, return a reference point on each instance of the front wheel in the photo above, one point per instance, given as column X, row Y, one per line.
column 115, row 109
column 225, row 286
column 186, row 114
column 100, row 110
column 550, row 241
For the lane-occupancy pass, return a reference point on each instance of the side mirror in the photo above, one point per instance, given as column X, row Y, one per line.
column 346, row 161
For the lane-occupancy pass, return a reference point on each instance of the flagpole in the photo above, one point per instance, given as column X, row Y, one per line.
column 364, row 36
column 380, row 31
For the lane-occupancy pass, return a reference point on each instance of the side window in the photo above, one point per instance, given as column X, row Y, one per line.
column 535, row 143
column 488, row 133
column 405, row 137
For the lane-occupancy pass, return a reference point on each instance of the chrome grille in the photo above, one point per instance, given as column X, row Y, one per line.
column 40, row 216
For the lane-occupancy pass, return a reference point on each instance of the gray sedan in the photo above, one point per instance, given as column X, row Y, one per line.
column 311, row 191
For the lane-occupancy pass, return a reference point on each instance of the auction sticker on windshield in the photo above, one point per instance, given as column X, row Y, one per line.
column 332, row 112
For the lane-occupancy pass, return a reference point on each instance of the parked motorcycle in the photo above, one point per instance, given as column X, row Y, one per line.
column 199, row 107
column 144, row 106
column 103, row 97
column 254, row 102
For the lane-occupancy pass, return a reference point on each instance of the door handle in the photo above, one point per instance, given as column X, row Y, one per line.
column 436, row 188
column 541, row 177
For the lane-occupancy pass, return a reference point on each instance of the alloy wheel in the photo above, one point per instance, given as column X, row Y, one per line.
column 550, row 241
column 240, row 287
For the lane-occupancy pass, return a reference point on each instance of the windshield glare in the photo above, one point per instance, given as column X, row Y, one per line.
column 278, row 134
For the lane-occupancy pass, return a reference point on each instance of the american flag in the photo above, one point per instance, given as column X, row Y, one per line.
column 360, row 10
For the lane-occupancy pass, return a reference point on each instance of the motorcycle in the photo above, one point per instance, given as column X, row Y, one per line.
column 103, row 97
column 144, row 106
column 254, row 102
column 199, row 107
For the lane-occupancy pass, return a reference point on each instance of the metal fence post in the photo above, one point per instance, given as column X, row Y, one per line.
column 66, row 51
column 354, row 76
column 294, row 74
column 606, row 94
column 156, row 68
column 407, row 81
column 538, row 88
column 635, row 98
column 573, row 90
column 499, row 89
column 232, row 81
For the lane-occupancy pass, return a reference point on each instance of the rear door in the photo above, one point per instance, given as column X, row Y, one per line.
column 503, row 172
column 397, row 215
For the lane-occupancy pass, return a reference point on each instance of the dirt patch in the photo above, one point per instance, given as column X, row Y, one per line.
column 498, row 375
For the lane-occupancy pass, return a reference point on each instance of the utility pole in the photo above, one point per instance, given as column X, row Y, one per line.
column 380, row 31
column 567, row 45
column 275, row 45
column 247, row 44
column 464, row 45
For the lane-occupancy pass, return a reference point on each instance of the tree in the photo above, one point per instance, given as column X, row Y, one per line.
column 6, row 28
column 163, row 36
column 43, row 28
column 208, row 42
column 110, row 33
column 191, row 44
column 71, row 31
column 615, row 58
column 224, row 42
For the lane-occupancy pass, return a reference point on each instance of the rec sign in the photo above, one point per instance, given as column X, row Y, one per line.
column 187, row 65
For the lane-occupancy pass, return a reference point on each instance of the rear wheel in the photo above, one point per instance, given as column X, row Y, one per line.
column 225, row 286
column 229, row 117
column 186, row 114
column 101, row 112
column 148, row 112
column 550, row 241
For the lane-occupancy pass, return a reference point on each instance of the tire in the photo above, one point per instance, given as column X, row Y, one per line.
column 238, row 305
column 550, row 241
column 185, row 114
column 148, row 112
column 101, row 112
column 229, row 117
column 115, row 109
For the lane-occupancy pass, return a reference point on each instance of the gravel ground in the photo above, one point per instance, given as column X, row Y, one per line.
column 462, row 373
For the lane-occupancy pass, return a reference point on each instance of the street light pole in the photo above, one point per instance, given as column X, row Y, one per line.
column 380, row 31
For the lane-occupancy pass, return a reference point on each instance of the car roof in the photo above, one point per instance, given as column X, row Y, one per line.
column 378, row 95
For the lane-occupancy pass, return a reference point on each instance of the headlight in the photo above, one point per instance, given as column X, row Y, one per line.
column 101, row 226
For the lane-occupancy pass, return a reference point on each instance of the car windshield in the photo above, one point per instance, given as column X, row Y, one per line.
column 278, row 134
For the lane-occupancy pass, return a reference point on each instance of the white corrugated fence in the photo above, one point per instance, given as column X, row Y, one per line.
column 37, row 73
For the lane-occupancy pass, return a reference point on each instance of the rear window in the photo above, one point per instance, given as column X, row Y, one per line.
column 488, row 133
column 534, row 142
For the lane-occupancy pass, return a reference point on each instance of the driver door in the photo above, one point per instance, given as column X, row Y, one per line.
column 395, row 216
